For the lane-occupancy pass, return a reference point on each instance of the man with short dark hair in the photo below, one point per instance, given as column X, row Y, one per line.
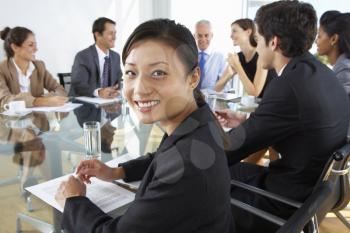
column 303, row 114
column 96, row 70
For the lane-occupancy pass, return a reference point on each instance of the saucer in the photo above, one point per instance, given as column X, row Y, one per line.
column 17, row 114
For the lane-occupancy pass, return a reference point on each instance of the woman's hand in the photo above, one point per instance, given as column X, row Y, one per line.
column 230, row 119
column 73, row 187
column 50, row 101
column 95, row 168
column 233, row 60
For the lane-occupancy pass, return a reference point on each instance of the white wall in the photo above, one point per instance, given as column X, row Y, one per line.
column 221, row 13
column 63, row 27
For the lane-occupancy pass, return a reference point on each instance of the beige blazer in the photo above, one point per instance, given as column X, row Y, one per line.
column 39, row 80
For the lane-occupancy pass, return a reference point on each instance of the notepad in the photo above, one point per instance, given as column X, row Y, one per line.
column 97, row 100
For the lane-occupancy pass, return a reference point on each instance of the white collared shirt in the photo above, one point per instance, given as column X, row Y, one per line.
column 281, row 71
column 24, row 79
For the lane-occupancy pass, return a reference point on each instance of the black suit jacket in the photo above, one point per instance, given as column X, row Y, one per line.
column 86, row 72
column 185, row 187
column 304, row 115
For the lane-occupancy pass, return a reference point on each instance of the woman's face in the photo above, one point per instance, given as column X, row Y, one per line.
column 323, row 42
column 27, row 50
column 156, row 83
column 239, row 36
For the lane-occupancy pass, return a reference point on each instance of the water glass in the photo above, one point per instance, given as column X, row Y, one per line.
column 211, row 100
column 92, row 138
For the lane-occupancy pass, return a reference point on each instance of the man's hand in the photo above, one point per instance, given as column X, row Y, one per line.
column 108, row 92
column 230, row 119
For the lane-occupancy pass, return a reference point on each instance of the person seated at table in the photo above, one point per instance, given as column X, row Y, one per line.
column 333, row 41
column 246, row 63
column 96, row 70
column 253, row 77
column 304, row 114
column 22, row 77
column 185, row 183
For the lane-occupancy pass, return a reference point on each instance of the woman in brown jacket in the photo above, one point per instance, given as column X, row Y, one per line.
column 24, row 78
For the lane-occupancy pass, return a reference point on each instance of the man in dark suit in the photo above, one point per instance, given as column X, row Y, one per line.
column 303, row 115
column 96, row 70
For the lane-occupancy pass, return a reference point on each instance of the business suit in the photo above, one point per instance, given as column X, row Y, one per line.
column 341, row 69
column 39, row 80
column 185, row 186
column 304, row 115
column 86, row 72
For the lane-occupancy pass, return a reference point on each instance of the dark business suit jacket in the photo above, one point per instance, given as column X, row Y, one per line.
column 184, row 188
column 86, row 72
column 304, row 115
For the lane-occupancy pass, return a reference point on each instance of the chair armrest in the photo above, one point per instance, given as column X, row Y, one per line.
column 303, row 215
column 265, row 193
column 261, row 213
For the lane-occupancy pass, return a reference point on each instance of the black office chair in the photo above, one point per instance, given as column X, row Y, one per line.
column 331, row 193
column 65, row 80
column 339, row 176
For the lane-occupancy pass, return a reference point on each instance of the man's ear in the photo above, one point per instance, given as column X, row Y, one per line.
column 97, row 34
column 275, row 43
column 194, row 78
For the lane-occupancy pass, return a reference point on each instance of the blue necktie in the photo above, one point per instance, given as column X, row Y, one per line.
column 106, row 72
column 201, row 67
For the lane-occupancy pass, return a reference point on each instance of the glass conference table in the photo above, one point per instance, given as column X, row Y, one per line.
column 42, row 146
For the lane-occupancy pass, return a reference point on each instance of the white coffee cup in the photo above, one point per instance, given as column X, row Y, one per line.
column 248, row 100
column 15, row 106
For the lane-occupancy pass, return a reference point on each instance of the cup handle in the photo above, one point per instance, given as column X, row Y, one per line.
column 6, row 107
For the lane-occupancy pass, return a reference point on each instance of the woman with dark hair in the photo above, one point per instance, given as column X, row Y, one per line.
column 185, row 183
column 253, row 77
column 22, row 77
column 245, row 63
column 333, row 40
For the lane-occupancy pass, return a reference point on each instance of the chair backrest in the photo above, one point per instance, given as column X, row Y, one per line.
column 338, row 176
column 65, row 80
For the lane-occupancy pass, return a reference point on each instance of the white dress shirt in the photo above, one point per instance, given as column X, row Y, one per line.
column 24, row 79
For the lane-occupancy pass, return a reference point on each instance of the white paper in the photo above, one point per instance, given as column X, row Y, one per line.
column 97, row 100
column 67, row 107
column 106, row 195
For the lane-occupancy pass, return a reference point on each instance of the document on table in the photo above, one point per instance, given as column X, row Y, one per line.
column 97, row 100
column 106, row 195
column 67, row 107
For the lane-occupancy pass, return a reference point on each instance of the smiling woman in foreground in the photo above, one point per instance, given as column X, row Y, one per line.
column 185, row 183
